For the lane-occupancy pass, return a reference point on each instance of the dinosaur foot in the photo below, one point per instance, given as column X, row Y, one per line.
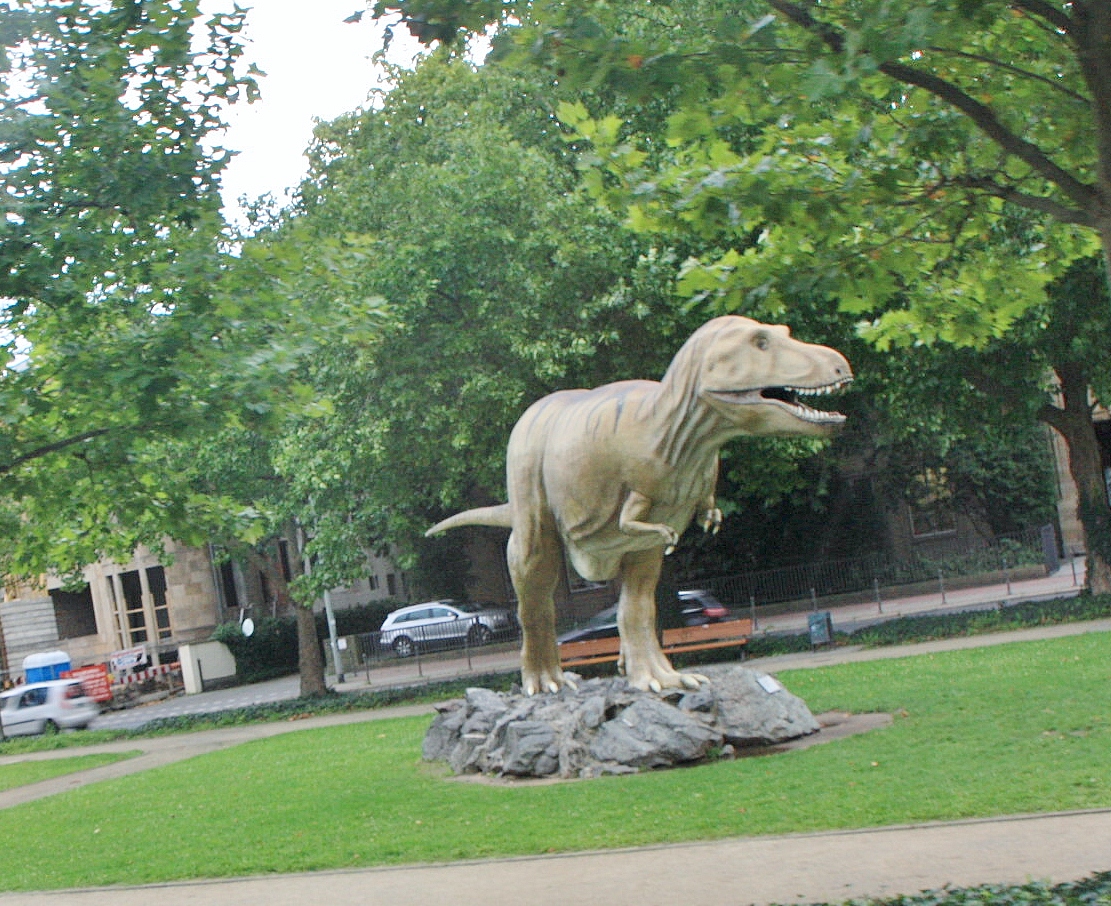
column 657, row 680
column 535, row 682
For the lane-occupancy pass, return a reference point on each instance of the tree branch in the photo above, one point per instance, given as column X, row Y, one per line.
column 982, row 116
column 1052, row 14
column 1041, row 204
column 57, row 446
column 1053, row 416
column 1024, row 73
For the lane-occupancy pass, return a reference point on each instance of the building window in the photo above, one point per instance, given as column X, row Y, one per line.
column 283, row 559
column 227, row 582
column 156, row 582
column 134, row 620
column 931, row 504
column 141, row 619
column 373, row 583
column 74, row 612
column 391, row 585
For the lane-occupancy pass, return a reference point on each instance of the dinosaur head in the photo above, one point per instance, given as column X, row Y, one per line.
column 755, row 375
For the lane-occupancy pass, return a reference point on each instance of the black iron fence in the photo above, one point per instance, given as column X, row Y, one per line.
column 1029, row 553
column 413, row 643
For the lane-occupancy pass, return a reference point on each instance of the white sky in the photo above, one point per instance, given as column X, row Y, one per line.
column 317, row 67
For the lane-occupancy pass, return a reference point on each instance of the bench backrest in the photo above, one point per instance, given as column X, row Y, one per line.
column 711, row 632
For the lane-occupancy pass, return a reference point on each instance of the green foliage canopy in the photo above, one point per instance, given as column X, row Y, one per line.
column 931, row 166
column 503, row 283
column 128, row 319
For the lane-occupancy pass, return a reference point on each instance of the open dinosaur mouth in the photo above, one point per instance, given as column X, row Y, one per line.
column 788, row 398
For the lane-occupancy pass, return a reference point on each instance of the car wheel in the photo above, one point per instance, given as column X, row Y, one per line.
column 49, row 728
column 403, row 646
column 480, row 634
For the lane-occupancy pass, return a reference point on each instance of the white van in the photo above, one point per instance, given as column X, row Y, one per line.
column 46, row 707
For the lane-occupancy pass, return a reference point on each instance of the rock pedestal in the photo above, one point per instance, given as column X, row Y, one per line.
column 607, row 727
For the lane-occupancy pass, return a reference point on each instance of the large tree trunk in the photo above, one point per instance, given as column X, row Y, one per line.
column 310, row 658
column 1073, row 421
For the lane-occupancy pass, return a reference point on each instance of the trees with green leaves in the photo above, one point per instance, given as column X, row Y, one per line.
column 932, row 168
column 129, row 319
column 113, row 333
column 503, row 282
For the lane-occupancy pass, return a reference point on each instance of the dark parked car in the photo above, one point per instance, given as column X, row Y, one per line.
column 698, row 607
column 602, row 625
column 701, row 607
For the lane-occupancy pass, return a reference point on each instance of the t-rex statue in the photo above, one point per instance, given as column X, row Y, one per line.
column 612, row 476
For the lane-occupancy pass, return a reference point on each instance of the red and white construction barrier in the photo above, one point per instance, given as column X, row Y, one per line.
column 142, row 676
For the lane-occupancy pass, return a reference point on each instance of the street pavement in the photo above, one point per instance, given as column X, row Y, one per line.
column 798, row 868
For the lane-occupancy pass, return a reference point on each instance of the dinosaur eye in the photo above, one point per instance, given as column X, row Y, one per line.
column 760, row 341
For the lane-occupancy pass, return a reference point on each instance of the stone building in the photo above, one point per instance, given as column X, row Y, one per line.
column 147, row 604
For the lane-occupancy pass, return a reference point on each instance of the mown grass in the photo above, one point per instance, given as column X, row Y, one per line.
column 22, row 773
column 1003, row 730
column 271, row 711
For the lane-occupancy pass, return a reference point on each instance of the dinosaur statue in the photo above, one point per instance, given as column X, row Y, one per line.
column 612, row 476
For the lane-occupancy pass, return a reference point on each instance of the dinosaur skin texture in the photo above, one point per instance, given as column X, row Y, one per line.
column 612, row 476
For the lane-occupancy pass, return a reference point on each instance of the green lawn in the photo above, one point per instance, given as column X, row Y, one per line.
column 990, row 731
column 23, row 773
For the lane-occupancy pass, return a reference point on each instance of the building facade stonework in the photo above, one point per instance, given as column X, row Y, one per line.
column 142, row 603
column 153, row 605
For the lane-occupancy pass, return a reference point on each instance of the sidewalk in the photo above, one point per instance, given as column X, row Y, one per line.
column 1067, row 580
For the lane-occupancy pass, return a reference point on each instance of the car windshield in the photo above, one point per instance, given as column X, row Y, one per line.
column 467, row 607
column 604, row 618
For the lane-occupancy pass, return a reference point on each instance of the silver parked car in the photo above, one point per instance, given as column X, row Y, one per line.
column 443, row 624
column 45, row 707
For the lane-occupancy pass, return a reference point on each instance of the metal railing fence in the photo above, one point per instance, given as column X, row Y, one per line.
column 412, row 644
column 879, row 573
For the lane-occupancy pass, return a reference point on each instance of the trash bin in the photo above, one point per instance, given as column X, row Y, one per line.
column 821, row 628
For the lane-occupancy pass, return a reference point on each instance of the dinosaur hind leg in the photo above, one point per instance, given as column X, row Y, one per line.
column 534, row 562
column 645, row 664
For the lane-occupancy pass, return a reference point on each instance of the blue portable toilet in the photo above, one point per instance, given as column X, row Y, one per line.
column 46, row 666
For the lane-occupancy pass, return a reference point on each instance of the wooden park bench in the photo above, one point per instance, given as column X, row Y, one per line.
column 731, row 633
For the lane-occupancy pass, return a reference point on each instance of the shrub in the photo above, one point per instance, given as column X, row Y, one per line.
column 270, row 651
column 358, row 620
column 927, row 627
column 1088, row 892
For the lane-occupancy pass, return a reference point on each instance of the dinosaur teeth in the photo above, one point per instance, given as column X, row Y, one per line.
column 818, row 391
column 817, row 416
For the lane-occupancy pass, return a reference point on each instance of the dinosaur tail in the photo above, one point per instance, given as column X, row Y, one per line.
column 497, row 516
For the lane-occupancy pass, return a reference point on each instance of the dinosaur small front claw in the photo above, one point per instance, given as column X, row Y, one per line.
column 711, row 521
column 669, row 550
